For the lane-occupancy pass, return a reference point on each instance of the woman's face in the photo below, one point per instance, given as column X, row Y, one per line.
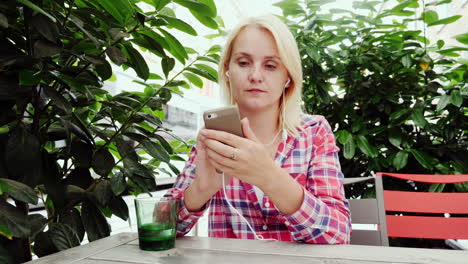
column 257, row 75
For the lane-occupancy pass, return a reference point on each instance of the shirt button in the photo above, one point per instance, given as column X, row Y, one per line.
column 265, row 227
column 286, row 223
column 267, row 204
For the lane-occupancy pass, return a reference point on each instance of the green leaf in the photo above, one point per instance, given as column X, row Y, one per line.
column 94, row 222
column 430, row 16
column 103, row 192
column 455, row 98
column 202, row 73
column 424, row 159
column 82, row 152
column 43, row 49
column 103, row 162
column 205, row 20
column 197, row 7
column 395, row 137
column 45, row 27
column 208, row 69
column 159, row 4
column 58, row 99
column 398, row 114
column 438, row 2
column 192, row 78
column 211, row 4
column 349, row 148
column 154, row 76
column 156, row 150
column 167, row 64
column 365, row 147
column 63, row 236
column 418, row 117
column 164, row 143
column 29, row 78
column 127, row 153
column 343, row 136
column 116, row 55
column 118, row 183
column 445, row 21
column 462, row 38
column 208, row 59
column 13, row 222
column 440, row 43
column 180, row 25
column 174, row 169
column 214, row 49
column 24, row 148
column 37, row 223
column 104, row 70
column 400, row 160
column 436, row 187
column 443, row 102
column 43, row 245
column 3, row 21
column 121, row 10
column 119, row 208
column 37, row 9
column 461, row 187
column 176, row 47
column 19, row 191
column 72, row 218
column 137, row 61
column 406, row 61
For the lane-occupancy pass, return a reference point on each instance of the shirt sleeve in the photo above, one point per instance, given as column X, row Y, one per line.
column 324, row 216
column 186, row 218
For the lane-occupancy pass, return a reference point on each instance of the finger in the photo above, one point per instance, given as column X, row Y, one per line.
column 219, row 167
column 248, row 132
column 224, row 137
column 219, row 147
column 213, row 156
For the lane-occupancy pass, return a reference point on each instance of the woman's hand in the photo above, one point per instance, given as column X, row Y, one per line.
column 206, row 179
column 244, row 158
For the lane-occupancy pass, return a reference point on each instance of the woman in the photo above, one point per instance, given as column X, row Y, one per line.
column 284, row 176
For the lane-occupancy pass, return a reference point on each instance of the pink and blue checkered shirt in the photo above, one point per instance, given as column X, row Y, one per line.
column 312, row 160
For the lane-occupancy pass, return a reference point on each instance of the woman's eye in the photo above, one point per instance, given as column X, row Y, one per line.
column 270, row 66
column 243, row 63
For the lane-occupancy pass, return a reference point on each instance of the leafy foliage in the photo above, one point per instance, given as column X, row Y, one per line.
column 67, row 141
column 397, row 103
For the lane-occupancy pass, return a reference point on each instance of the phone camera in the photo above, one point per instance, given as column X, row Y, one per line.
column 209, row 115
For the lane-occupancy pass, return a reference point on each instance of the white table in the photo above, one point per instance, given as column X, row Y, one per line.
column 123, row 249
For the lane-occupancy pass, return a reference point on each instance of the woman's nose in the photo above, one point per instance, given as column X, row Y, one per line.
column 256, row 75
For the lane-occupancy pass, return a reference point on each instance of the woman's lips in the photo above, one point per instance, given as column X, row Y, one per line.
column 255, row 91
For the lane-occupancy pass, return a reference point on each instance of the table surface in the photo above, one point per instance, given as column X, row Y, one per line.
column 123, row 248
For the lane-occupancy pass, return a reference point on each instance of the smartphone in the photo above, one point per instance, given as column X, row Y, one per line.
column 226, row 119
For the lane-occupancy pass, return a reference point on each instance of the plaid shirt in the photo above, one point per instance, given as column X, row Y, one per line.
column 312, row 160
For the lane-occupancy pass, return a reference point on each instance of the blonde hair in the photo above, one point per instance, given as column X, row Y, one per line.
column 289, row 54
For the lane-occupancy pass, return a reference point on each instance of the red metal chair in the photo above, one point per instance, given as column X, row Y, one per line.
column 430, row 227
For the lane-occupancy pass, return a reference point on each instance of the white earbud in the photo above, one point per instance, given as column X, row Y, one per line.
column 287, row 83
column 227, row 74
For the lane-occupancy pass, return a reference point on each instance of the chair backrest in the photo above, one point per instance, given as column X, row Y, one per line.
column 368, row 212
column 431, row 227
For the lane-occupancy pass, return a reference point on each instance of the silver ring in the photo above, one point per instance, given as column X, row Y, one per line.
column 233, row 155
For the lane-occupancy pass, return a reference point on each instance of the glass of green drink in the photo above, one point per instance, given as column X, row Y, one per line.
column 157, row 220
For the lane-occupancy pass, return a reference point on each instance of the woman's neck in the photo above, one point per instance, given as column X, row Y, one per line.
column 264, row 124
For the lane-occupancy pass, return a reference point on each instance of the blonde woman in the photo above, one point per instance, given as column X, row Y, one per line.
column 283, row 179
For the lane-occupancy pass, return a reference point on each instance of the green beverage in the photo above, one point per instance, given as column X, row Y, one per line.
column 156, row 236
column 157, row 221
